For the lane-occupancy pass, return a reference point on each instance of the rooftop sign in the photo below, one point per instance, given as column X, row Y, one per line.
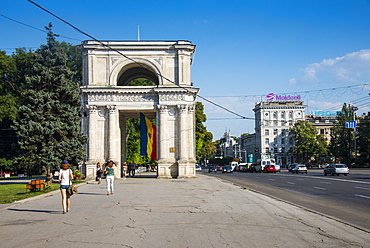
column 273, row 97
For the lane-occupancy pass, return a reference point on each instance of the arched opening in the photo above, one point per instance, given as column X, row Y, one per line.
column 136, row 73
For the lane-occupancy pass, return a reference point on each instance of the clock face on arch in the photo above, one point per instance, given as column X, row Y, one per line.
column 298, row 114
column 266, row 114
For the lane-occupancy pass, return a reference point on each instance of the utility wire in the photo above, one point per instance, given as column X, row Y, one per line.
column 139, row 64
column 11, row 19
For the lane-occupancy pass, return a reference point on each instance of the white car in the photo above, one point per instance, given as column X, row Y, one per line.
column 198, row 168
column 337, row 169
column 299, row 168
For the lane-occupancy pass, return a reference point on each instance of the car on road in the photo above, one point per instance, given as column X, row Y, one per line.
column 212, row 169
column 227, row 169
column 269, row 168
column 255, row 168
column 277, row 167
column 299, row 168
column 337, row 169
column 198, row 168
column 290, row 167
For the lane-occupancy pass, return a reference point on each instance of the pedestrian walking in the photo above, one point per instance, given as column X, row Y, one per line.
column 99, row 171
column 124, row 168
column 109, row 172
column 65, row 179
column 132, row 168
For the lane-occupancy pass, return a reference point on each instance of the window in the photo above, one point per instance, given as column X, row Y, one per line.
column 290, row 123
column 322, row 131
column 283, row 141
column 283, row 114
column 275, row 150
column 267, row 141
column 283, row 149
column 275, row 132
column 291, row 115
column 275, row 123
column 267, row 132
column 275, row 114
column 267, row 123
column 267, row 150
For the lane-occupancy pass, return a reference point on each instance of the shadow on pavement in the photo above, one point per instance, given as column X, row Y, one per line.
column 34, row 210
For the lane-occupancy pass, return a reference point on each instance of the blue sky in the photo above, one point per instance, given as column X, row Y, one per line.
column 245, row 49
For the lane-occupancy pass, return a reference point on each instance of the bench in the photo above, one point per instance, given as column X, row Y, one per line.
column 35, row 185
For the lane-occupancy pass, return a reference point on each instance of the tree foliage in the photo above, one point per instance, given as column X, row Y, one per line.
column 203, row 139
column 341, row 145
column 48, row 122
column 307, row 142
column 364, row 139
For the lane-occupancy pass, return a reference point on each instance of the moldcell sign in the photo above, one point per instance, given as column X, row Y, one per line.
column 273, row 97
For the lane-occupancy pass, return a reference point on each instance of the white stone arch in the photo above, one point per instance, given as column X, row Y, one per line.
column 107, row 106
column 124, row 64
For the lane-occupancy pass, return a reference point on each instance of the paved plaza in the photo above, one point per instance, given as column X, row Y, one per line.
column 150, row 212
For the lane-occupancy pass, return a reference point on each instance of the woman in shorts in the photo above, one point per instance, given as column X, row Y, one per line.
column 65, row 179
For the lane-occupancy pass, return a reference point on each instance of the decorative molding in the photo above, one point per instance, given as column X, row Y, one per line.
column 171, row 97
column 109, row 97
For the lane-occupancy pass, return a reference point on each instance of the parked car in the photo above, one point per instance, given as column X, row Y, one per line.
column 227, row 169
column 255, row 168
column 269, row 168
column 336, row 169
column 277, row 167
column 290, row 167
column 212, row 169
column 218, row 168
column 198, row 168
column 242, row 167
column 299, row 168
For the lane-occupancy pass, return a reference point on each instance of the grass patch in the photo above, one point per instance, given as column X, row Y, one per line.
column 15, row 192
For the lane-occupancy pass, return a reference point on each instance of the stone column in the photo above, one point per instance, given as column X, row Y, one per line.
column 191, row 124
column 92, row 134
column 183, row 141
column 113, row 138
column 164, row 164
column 91, row 147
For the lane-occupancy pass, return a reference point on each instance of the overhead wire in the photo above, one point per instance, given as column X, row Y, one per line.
column 38, row 29
column 134, row 61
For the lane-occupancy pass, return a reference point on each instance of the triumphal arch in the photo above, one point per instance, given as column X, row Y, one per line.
column 108, row 101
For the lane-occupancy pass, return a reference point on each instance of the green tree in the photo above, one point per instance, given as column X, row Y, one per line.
column 203, row 139
column 363, row 134
column 307, row 142
column 341, row 145
column 48, row 122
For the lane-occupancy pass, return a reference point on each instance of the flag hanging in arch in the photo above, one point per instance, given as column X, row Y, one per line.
column 148, row 138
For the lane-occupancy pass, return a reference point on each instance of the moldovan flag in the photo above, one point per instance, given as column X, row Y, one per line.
column 148, row 138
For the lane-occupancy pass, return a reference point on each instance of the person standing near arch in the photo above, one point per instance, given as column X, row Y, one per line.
column 109, row 171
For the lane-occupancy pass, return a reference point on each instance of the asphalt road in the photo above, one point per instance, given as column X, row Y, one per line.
column 346, row 198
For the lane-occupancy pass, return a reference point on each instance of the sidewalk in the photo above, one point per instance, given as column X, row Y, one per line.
column 148, row 212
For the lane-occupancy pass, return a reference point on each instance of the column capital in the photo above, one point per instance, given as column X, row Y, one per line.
column 112, row 109
column 162, row 108
column 92, row 109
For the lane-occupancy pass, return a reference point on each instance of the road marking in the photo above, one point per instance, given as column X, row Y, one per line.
column 271, row 179
column 300, row 179
column 362, row 188
column 325, row 182
column 363, row 196
column 290, row 182
column 319, row 188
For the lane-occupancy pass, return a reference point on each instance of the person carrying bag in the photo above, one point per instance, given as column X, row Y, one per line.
column 65, row 179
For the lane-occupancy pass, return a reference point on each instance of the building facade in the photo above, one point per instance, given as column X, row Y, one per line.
column 272, row 122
